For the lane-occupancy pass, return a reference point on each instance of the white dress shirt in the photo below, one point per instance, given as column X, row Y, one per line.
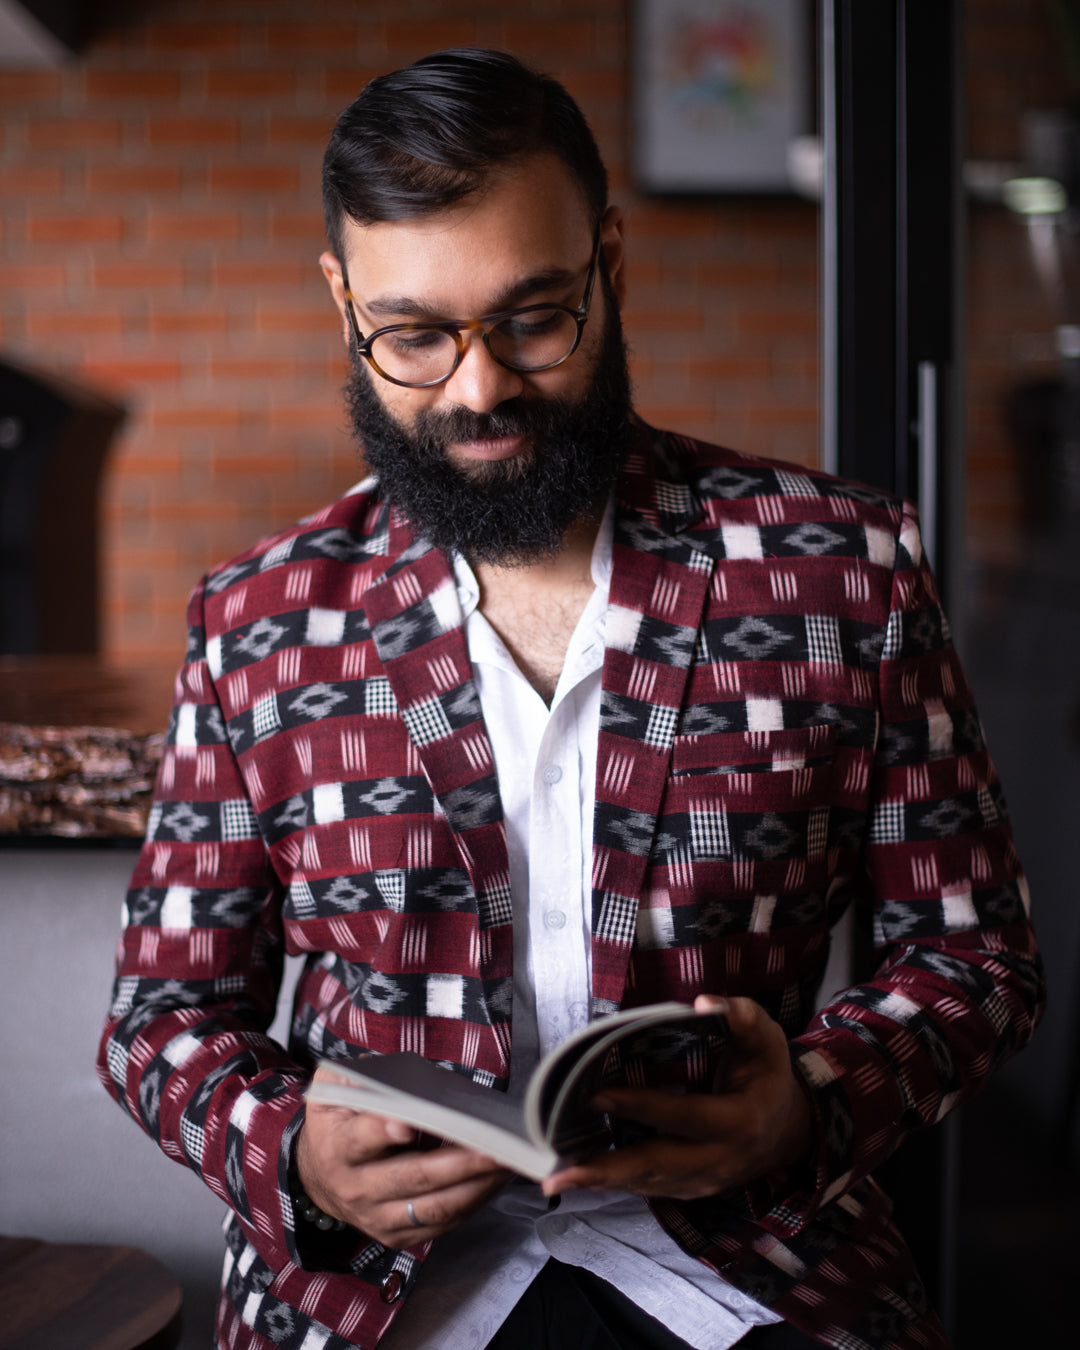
column 545, row 759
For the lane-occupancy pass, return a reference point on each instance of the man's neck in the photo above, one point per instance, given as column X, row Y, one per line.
column 535, row 608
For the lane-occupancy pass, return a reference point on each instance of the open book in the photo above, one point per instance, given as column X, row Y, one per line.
column 556, row 1120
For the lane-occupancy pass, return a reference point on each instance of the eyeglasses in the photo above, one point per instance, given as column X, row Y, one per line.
column 528, row 340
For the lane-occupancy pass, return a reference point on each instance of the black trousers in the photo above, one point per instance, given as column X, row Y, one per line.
column 566, row 1308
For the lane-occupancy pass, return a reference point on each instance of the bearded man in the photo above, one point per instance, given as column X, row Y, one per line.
column 556, row 714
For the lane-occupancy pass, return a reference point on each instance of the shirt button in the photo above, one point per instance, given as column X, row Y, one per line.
column 555, row 918
column 390, row 1289
column 552, row 773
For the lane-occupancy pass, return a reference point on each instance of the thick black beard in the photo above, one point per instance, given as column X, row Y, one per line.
column 507, row 512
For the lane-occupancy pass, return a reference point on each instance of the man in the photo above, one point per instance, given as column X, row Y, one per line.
column 557, row 713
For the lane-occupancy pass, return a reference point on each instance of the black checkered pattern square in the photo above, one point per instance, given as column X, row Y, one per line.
column 192, row 1138
column 709, row 834
column 817, row 831
column 795, row 484
column 618, row 918
column 427, row 721
column 496, row 905
column 265, row 717
column 888, row 823
column 379, row 700
column 660, row 730
column 823, row 640
column 238, row 820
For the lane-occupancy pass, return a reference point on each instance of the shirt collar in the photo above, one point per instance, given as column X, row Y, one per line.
column 468, row 588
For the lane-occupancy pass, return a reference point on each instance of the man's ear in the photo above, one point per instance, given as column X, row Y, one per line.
column 331, row 270
column 611, row 241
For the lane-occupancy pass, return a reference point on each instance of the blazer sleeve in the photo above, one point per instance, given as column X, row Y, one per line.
column 958, row 985
column 185, row 1049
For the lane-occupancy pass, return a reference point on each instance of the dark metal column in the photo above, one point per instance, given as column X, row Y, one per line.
column 891, row 80
column 891, row 308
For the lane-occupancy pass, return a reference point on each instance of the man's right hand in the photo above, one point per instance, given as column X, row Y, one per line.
column 359, row 1167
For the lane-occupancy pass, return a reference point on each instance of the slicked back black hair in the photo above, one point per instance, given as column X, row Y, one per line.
column 421, row 138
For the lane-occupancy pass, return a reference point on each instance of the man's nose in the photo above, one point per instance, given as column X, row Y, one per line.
column 480, row 383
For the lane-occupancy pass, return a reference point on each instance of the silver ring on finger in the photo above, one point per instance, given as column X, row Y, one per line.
column 412, row 1214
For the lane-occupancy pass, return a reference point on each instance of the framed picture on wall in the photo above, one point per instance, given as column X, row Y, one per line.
column 721, row 87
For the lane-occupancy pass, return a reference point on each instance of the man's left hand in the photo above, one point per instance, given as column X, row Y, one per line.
column 758, row 1121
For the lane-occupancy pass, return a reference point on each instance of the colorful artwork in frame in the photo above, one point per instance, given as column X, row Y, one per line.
column 720, row 89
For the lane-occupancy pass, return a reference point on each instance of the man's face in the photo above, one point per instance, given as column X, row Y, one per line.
column 494, row 463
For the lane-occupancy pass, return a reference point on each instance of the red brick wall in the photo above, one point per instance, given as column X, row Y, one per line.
column 1015, row 62
column 160, row 225
column 160, row 230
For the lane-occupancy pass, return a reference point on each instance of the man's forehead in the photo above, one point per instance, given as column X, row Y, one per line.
column 525, row 228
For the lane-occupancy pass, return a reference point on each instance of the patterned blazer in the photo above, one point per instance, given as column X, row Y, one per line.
column 785, row 731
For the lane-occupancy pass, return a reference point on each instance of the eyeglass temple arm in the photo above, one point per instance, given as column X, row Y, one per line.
column 594, row 267
column 349, row 310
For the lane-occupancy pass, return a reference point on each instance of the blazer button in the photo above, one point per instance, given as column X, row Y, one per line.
column 391, row 1287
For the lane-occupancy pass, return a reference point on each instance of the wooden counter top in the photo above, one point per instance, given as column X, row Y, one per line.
column 80, row 742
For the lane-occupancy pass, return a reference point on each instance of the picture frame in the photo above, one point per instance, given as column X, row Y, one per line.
column 720, row 90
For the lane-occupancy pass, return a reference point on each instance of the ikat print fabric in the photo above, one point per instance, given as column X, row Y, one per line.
column 785, row 730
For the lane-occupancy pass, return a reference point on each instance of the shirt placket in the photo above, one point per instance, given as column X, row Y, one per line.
column 558, row 932
column 549, row 828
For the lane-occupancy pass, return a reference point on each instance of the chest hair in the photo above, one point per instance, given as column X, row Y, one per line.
column 536, row 626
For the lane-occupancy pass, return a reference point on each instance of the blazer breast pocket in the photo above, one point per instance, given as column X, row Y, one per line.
column 759, row 797
column 750, row 755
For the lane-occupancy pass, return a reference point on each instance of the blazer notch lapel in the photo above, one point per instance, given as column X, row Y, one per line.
column 659, row 585
column 417, row 628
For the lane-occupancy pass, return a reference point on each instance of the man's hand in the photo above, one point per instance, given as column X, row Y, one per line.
column 757, row 1120
column 359, row 1167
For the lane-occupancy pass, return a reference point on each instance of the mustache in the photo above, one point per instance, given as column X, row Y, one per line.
column 516, row 417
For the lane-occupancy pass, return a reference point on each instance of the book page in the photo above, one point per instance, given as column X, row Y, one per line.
column 385, row 1077
column 441, row 1102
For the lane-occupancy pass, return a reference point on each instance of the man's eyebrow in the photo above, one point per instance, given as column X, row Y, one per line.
column 517, row 293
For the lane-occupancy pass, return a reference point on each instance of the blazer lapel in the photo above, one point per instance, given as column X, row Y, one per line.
column 416, row 625
column 659, row 582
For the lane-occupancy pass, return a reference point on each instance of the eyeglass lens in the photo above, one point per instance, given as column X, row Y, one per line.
column 529, row 340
